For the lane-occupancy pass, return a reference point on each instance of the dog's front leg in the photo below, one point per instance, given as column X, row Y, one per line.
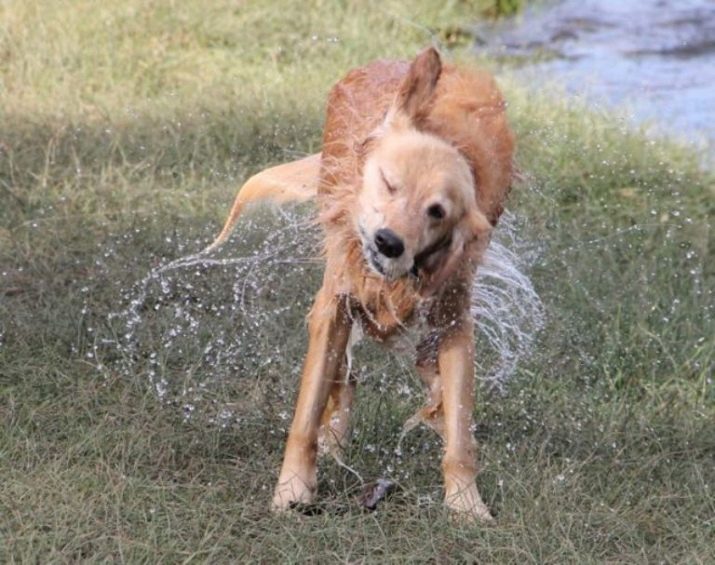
column 329, row 329
column 456, row 353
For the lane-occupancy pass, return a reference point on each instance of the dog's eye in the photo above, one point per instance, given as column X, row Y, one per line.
column 390, row 188
column 436, row 212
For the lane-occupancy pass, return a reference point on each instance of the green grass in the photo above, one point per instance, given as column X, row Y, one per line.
column 125, row 129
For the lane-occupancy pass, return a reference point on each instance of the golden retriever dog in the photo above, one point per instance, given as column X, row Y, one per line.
column 415, row 166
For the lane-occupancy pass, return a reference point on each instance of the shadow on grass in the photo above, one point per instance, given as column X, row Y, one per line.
column 110, row 161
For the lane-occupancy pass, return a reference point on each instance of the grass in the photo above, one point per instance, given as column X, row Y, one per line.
column 124, row 131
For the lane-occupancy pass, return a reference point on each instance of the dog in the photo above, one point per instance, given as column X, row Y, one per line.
column 416, row 164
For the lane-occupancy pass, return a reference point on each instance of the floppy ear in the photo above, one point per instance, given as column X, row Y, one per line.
column 477, row 224
column 411, row 105
column 416, row 93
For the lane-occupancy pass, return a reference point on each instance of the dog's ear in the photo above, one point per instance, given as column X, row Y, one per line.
column 412, row 103
column 416, row 93
column 477, row 224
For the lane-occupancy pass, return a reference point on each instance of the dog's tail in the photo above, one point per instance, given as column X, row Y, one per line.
column 296, row 181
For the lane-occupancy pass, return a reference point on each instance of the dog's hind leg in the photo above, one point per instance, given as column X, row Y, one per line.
column 335, row 421
column 329, row 327
column 432, row 414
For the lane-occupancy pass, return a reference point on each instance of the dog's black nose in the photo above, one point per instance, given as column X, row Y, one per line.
column 388, row 243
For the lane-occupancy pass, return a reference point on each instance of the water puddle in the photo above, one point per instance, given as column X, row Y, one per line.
column 654, row 57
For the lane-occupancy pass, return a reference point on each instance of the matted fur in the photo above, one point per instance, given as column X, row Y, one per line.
column 467, row 110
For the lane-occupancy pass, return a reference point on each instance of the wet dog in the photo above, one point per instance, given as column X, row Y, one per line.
column 415, row 166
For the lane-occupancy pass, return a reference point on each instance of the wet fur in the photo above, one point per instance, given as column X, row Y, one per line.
column 449, row 121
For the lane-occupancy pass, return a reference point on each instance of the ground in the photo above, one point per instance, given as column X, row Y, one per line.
column 125, row 130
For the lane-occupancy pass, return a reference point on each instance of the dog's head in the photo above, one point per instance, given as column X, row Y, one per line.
column 416, row 208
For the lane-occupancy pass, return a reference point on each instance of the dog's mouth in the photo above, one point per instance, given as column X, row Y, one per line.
column 423, row 257
column 375, row 259
column 371, row 255
column 377, row 262
column 385, row 267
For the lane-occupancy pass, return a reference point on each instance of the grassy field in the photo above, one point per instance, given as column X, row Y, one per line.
column 125, row 129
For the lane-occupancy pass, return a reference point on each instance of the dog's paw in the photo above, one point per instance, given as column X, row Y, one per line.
column 290, row 493
column 467, row 506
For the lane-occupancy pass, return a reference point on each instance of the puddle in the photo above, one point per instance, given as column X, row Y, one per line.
column 656, row 58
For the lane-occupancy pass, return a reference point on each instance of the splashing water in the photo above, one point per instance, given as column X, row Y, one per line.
column 505, row 305
column 182, row 314
column 175, row 308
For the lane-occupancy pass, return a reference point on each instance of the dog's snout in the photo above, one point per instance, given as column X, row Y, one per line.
column 388, row 243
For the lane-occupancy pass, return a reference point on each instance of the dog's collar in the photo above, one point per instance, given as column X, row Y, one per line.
column 427, row 252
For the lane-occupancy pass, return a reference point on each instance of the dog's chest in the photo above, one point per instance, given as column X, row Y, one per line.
column 411, row 334
column 406, row 338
